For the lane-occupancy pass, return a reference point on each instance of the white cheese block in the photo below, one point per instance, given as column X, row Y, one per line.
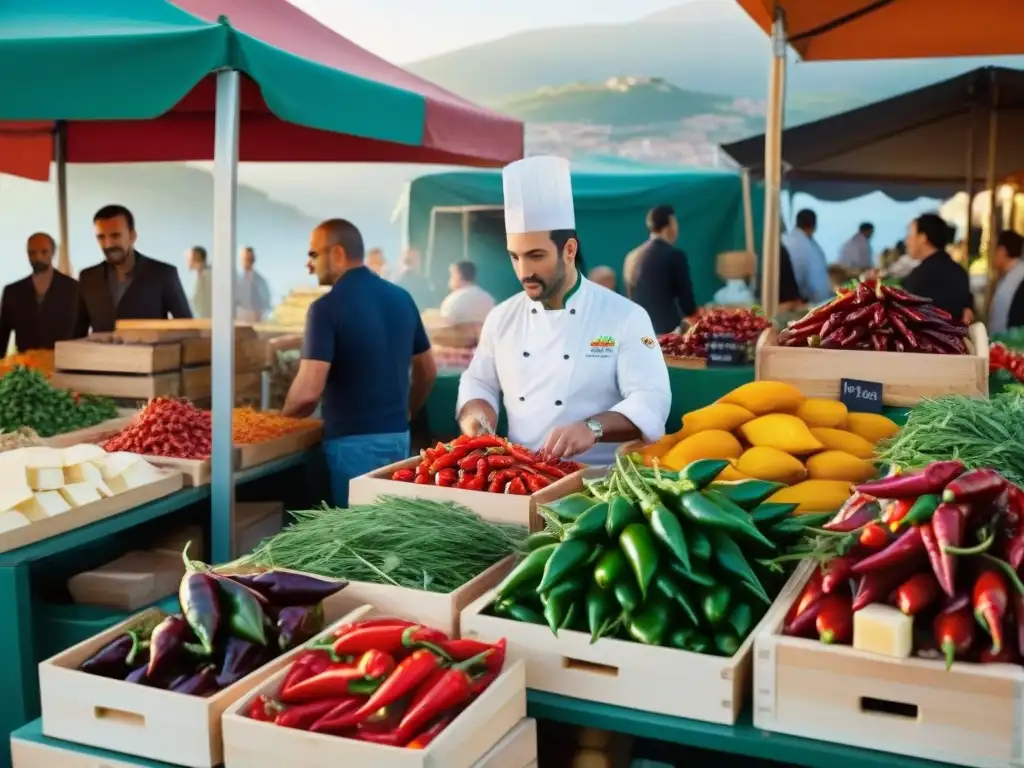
column 118, row 463
column 80, row 494
column 884, row 630
column 42, row 457
column 77, row 454
column 14, row 488
column 43, row 505
column 88, row 472
column 139, row 473
column 45, row 479
column 10, row 520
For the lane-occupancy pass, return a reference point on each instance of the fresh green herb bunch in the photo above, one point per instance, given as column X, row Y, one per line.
column 27, row 399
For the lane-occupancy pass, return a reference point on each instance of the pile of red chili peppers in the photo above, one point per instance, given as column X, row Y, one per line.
column 485, row 463
column 168, row 427
column 1001, row 357
column 943, row 544
column 386, row 681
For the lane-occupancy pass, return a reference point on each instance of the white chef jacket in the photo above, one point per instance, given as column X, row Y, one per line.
column 556, row 367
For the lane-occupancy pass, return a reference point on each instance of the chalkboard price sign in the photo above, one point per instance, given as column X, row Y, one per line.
column 861, row 396
column 724, row 349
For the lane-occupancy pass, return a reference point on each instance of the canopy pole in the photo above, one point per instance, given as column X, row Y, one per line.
column 991, row 183
column 60, row 157
column 748, row 212
column 969, row 182
column 465, row 235
column 225, row 211
column 773, row 168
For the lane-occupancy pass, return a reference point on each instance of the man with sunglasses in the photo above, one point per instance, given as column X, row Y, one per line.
column 362, row 340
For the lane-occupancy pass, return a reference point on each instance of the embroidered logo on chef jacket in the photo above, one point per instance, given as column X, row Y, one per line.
column 648, row 342
column 602, row 346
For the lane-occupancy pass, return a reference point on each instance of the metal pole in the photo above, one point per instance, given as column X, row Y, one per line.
column 465, row 235
column 992, row 184
column 773, row 168
column 969, row 186
column 225, row 209
column 60, row 157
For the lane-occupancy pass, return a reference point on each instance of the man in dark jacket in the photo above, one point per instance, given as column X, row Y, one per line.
column 128, row 285
column 937, row 276
column 41, row 309
column 657, row 276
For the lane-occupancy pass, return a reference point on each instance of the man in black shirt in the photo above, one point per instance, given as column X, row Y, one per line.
column 657, row 276
column 937, row 276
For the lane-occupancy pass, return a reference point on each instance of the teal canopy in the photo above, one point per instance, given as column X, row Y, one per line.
column 612, row 198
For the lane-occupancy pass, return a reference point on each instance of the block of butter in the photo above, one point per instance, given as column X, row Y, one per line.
column 884, row 630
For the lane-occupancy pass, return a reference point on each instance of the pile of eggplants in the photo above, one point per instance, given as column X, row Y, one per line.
column 229, row 626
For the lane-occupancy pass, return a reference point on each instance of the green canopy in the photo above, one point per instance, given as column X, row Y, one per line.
column 612, row 198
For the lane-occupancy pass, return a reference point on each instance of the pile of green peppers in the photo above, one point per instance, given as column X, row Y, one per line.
column 664, row 558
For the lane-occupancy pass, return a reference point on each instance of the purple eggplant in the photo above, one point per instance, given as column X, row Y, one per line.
column 200, row 602
column 298, row 623
column 116, row 658
column 138, row 675
column 286, row 588
column 167, row 644
column 240, row 658
column 200, row 683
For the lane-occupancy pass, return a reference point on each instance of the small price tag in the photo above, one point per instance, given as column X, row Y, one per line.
column 861, row 396
column 725, row 350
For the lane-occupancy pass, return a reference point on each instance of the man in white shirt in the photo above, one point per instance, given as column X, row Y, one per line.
column 467, row 302
column 577, row 366
column 202, row 296
column 810, row 267
column 855, row 255
column 252, row 292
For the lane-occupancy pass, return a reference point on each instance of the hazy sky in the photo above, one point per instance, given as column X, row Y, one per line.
column 407, row 30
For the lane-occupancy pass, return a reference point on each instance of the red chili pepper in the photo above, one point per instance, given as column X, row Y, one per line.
column 548, row 468
column 834, row 622
column 302, row 716
column 499, row 479
column 469, row 462
column 917, row 593
column 385, row 638
column 954, row 634
column 450, row 459
column 483, row 682
column 431, row 732
column 874, row 536
column 802, row 614
column 911, row 485
column 427, row 684
column 979, row 486
column 852, row 514
column 410, row 673
column 264, row 709
column 836, row 573
column 948, row 525
column 340, row 679
column 516, row 487
column 895, row 511
column 907, row 547
column 404, row 475
column 423, row 480
column 536, row 483
column 446, row 478
column 1018, row 615
column 991, row 601
column 876, row 586
column 498, row 461
column 1010, row 505
column 308, row 664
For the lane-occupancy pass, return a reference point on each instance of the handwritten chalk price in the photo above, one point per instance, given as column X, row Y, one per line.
column 861, row 396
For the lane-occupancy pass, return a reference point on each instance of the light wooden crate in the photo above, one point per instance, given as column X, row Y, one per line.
column 201, row 325
column 196, row 382
column 517, row 750
column 99, row 353
column 195, row 471
column 95, row 433
column 79, row 517
column 665, row 681
column 906, row 378
column 254, row 744
column 495, row 507
column 135, row 719
column 132, row 581
column 254, row 454
column 970, row 715
column 686, row 363
column 250, row 350
column 123, row 387
column 32, row 754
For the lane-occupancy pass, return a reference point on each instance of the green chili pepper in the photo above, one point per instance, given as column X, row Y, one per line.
column 538, row 540
column 730, row 557
column 566, row 558
column 726, row 642
column 741, row 619
column 627, row 594
column 610, row 567
column 771, row 512
column 699, row 643
column 641, row 554
column 746, row 493
column 703, row 511
column 523, row 613
column 590, row 523
column 621, row 512
column 680, row 637
column 700, row 473
column 558, row 600
column 602, row 610
column 666, row 528
column 665, row 584
column 695, row 575
column 529, row 571
column 572, row 506
column 744, row 526
column 700, row 545
column 922, row 510
column 245, row 613
column 797, row 525
column 651, row 622
column 715, row 604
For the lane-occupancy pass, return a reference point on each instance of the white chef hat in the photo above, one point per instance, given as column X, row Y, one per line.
column 538, row 195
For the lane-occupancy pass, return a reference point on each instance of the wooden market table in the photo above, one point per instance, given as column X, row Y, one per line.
column 19, row 647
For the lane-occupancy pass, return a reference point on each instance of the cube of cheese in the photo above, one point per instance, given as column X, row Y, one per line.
column 10, row 520
column 45, row 478
column 139, row 473
column 43, row 505
column 118, row 463
column 77, row 454
column 41, row 457
column 884, row 630
column 88, row 472
column 14, row 488
column 80, row 494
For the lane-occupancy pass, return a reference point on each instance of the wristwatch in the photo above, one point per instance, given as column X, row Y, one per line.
column 595, row 426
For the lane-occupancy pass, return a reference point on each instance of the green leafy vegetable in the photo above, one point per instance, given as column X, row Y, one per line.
column 27, row 399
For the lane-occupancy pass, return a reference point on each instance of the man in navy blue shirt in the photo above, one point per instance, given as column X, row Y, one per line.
column 362, row 340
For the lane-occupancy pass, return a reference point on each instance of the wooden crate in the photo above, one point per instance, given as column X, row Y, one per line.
column 906, row 378
column 79, row 517
column 124, row 387
column 194, row 471
column 254, row 454
column 254, row 744
column 132, row 581
column 496, row 507
column 34, row 754
column 517, row 750
column 135, row 719
column 665, row 681
column 435, row 609
column 95, row 433
column 686, row 363
column 100, row 354
column 201, row 325
column 253, row 522
column 970, row 715
column 196, row 382
column 250, row 351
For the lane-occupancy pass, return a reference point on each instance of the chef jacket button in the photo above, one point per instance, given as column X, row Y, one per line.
column 522, row 399
column 565, row 357
column 534, row 310
column 558, row 402
column 572, row 311
column 526, row 354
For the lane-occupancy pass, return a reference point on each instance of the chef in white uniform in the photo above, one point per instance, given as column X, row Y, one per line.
column 578, row 366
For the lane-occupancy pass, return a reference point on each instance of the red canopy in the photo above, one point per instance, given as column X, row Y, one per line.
column 457, row 131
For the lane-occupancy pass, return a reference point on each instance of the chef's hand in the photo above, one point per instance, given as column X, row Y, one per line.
column 475, row 421
column 569, row 440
